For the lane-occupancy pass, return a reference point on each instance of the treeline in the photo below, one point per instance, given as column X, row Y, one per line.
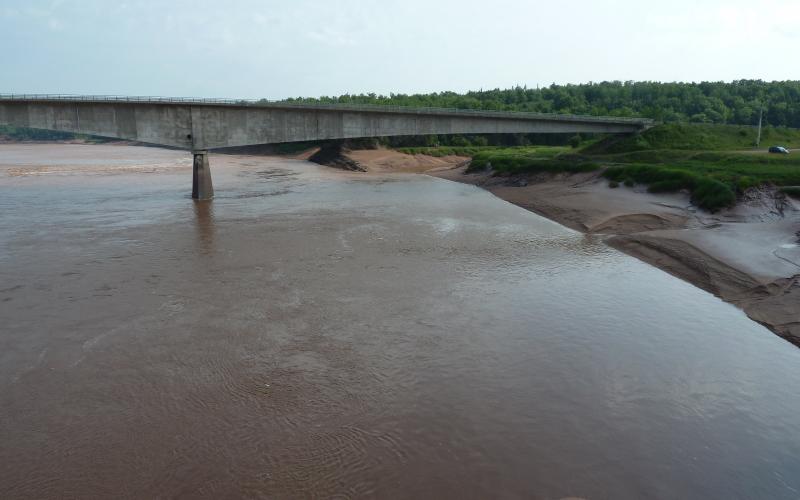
column 737, row 102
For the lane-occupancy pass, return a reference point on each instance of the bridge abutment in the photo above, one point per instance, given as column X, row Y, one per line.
column 202, row 188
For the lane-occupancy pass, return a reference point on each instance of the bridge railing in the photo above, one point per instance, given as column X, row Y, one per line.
column 331, row 106
column 121, row 98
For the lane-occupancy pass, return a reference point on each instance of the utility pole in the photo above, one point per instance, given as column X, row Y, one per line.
column 760, row 115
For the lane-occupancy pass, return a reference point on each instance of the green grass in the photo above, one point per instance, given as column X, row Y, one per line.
column 531, row 160
column 711, row 162
column 714, row 176
column 741, row 170
column 714, row 179
column 697, row 137
column 707, row 192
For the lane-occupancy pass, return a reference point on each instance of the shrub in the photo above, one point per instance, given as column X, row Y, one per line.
column 530, row 160
column 712, row 194
column 613, row 184
column 666, row 186
column 745, row 182
column 708, row 193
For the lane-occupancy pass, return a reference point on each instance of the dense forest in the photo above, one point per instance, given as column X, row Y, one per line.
column 737, row 102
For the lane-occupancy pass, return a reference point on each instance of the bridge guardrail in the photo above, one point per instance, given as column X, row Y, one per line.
column 340, row 107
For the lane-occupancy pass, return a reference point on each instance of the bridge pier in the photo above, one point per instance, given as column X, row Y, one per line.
column 202, row 188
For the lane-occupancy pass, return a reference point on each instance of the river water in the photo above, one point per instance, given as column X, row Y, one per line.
column 314, row 333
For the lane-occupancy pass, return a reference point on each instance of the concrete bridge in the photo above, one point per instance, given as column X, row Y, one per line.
column 198, row 125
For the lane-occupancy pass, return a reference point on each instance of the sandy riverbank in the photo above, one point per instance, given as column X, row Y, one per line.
column 748, row 256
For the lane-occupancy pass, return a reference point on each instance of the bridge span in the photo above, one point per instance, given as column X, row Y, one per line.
column 199, row 125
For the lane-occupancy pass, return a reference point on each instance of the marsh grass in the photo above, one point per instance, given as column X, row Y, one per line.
column 711, row 162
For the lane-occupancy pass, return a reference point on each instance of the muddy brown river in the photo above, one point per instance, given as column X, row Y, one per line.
column 317, row 334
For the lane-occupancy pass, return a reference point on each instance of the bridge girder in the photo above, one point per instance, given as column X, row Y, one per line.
column 199, row 125
column 203, row 125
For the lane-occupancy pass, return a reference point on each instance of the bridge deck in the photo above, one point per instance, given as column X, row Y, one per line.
column 202, row 124
column 375, row 108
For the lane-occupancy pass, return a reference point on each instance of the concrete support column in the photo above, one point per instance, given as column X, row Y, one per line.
column 202, row 189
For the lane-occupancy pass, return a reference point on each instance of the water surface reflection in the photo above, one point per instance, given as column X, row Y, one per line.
column 204, row 223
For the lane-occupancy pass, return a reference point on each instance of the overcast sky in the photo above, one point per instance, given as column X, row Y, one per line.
column 276, row 49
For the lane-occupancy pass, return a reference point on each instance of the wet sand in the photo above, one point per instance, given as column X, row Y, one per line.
column 316, row 333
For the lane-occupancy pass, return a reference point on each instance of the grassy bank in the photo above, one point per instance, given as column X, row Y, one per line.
column 714, row 163
column 532, row 159
column 697, row 137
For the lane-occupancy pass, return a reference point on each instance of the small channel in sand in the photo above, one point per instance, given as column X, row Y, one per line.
column 318, row 333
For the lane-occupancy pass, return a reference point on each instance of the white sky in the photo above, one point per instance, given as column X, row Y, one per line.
column 276, row 49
